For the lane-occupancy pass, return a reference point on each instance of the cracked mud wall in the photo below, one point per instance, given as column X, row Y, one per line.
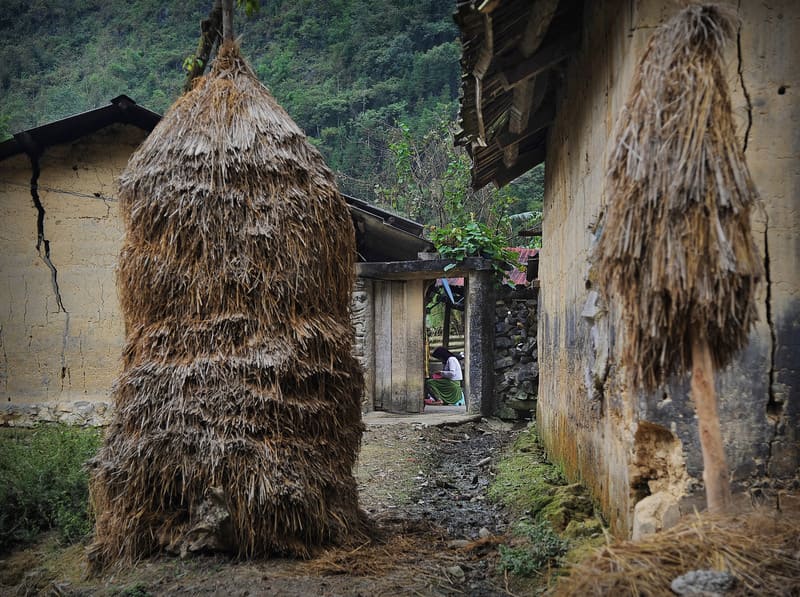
column 588, row 420
column 61, row 331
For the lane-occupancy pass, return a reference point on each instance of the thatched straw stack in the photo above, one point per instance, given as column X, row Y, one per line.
column 760, row 549
column 677, row 246
column 238, row 408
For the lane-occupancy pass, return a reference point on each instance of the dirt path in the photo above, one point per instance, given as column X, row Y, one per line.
column 425, row 489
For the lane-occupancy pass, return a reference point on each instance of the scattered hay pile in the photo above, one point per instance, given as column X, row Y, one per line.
column 761, row 549
column 677, row 245
column 238, row 409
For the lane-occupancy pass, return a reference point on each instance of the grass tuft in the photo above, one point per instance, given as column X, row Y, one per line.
column 43, row 483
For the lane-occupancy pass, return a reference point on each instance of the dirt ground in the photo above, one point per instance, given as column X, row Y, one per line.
column 423, row 486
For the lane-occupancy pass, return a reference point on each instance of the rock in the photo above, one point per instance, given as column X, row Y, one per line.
column 458, row 543
column 654, row 513
column 83, row 408
column 788, row 502
column 501, row 327
column 591, row 527
column 703, row 582
column 527, row 372
column 518, row 404
column 484, row 533
column 502, row 342
column 506, row 413
column 212, row 529
column 503, row 363
column 455, row 572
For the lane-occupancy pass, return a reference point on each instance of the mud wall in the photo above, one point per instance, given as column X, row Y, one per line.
column 630, row 448
column 61, row 331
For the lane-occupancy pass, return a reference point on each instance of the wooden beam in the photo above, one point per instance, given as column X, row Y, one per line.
column 539, row 19
column 525, row 162
column 423, row 269
column 488, row 6
column 540, row 121
column 546, row 58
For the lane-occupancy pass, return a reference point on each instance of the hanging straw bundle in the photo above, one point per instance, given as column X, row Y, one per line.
column 677, row 245
column 237, row 418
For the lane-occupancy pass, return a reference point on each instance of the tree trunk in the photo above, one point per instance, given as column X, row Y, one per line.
column 210, row 34
column 227, row 20
column 715, row 467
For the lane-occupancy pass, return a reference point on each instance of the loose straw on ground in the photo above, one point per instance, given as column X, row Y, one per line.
column 761, row 549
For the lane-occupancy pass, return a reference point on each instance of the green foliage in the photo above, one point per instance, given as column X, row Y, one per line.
column 538, row 548
column 374, row 83
column 43, row 483
column 474, row 239
column 5, row 132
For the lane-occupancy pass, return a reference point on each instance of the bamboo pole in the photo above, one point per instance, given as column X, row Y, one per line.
column 715, row 467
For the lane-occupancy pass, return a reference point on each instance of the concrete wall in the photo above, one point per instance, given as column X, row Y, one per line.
column 631, row 448
column 61, row 331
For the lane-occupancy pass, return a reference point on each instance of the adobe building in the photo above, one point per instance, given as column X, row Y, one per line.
column 545, row 81
column 61, row 329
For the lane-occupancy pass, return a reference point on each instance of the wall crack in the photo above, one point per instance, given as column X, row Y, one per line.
column 4, row 372
column 43, row 249
column 740, row 71
column 774, row 406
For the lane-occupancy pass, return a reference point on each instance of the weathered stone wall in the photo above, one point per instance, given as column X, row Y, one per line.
column 61, row 331
column 363, row 316
column 516, row 366
column 631, row 448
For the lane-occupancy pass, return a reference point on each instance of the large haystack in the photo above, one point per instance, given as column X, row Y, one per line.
column 677, row 246
column 237, row 417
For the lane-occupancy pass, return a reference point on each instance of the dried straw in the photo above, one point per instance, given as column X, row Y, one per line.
column 238, row 384
column 761, row 549
column 677, row 245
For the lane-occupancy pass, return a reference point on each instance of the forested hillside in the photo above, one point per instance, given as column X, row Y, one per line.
column 366, row 79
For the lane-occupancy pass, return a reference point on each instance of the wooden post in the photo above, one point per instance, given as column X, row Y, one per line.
column 448, row 310
column 715, row 467
column 227, row 20
column 479, row 348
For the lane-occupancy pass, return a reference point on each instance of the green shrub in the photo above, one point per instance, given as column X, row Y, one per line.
column 43, row 483
column 539, row 548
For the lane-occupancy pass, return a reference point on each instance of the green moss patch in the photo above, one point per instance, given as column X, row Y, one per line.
column 555, row 518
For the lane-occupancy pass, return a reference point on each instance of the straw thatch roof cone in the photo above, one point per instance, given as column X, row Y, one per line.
column 237, row 419
column 677, row 245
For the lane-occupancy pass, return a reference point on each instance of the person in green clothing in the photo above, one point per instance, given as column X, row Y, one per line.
column 445, row 387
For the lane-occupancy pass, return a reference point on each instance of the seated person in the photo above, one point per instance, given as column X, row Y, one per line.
column 445, row 387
